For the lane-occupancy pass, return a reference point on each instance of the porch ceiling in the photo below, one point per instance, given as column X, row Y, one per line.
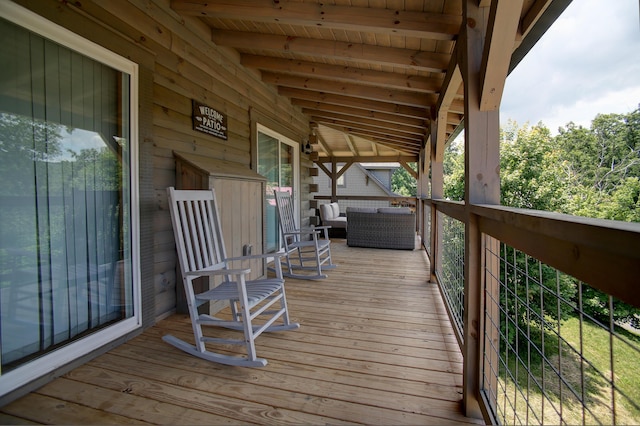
column 371, row 74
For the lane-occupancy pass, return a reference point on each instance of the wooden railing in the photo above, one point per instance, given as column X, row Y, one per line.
column 604, row 255
column 408, row 201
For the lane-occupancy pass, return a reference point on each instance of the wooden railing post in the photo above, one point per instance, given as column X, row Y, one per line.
column 334, row 179
column 437, row 192
column 482, row 186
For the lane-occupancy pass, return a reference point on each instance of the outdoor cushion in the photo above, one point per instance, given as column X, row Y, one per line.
column 330, row 215
column 362, row 210
column 394, row 210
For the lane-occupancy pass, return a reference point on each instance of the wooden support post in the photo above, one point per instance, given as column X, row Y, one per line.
column 422, row 192
column 437, row 192
column 334, row 180
column 482, row 186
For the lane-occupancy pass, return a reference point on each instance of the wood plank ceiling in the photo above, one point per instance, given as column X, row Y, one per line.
column 369, row 73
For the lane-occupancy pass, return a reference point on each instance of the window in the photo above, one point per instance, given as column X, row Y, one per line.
column 68, row 212
column 342, row 181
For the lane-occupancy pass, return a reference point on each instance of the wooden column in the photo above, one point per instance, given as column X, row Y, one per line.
column 437, row 191
column 334, row 180
column 482, row 186
column 421, row 183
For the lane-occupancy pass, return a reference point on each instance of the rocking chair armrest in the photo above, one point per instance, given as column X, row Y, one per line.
column 223, row 271
column 318, row 230
column 305, row 231
column 257, row 256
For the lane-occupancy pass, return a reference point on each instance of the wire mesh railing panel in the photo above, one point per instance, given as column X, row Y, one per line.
column 451, row 274
column 556, row 351
column 344, row 204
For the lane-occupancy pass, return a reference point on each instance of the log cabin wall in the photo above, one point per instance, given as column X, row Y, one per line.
column 178, row 62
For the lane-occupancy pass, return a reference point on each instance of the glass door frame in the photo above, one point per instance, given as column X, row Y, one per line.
column 70, row 352
column 295, row 148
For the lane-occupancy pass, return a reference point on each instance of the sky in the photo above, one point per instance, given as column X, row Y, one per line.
column 588, row 62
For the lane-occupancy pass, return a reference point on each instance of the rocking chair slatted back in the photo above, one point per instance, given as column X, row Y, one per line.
column 198, row 220
column 308, row 251
column 287, row 214
column 201, row 253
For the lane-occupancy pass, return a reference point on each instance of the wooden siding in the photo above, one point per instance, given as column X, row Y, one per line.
column 356, row 183
column 375, row 346
column 178, row 55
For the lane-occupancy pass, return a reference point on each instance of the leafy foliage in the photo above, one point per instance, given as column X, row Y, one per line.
column 603, row 166
column 453, row 166
column 591, row 172
column 403, row 183
column 530, row 171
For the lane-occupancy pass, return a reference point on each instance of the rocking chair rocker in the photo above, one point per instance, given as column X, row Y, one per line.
column 201, row 252
column 311, row 256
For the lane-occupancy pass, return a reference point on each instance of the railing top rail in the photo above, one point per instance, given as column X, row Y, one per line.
column 602, row 253
column 364, row 197
column 495, row 211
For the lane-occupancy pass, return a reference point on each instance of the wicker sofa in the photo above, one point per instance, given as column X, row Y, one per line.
column 385, row 227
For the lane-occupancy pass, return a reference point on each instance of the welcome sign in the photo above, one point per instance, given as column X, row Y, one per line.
column 208, row 120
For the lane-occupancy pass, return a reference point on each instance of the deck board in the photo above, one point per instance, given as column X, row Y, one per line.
column 375, row 346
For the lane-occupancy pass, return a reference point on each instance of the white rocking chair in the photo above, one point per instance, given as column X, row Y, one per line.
column 311, row 256
column 201, row 252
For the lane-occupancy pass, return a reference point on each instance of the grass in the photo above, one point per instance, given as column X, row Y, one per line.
column 586, row 395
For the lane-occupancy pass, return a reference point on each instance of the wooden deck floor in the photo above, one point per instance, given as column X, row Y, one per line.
column 375, row 347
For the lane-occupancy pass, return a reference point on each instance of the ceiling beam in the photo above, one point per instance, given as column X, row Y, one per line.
column 537, row 20
column 369, row 130
column 532, row 16
column 447, row 102
column 392, row 144
column 454, row 118
column 392, row 119
column 420, row 100
column 371, row 54
column 340, row 73
column 398, row 146
column 457, row 106
column 323, row 144
column 390, row 127
column 351, row 145
column 504, row 18
column 349, row 18
column 329, row 98
column 374, row 148
column 451, row 86
column 367, row 159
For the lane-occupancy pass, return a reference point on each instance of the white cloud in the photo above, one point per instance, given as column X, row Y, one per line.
column 587, row 63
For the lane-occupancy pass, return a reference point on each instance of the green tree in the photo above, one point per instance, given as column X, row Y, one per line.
column 453, row 169
column 603, row 163
column 403, row 183
column 532, row 177
column 604, row 156
column 530, row 173
column 590, row 172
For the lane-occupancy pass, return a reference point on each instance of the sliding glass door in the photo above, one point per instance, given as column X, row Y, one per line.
column 67, row 215
column 277, row 161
